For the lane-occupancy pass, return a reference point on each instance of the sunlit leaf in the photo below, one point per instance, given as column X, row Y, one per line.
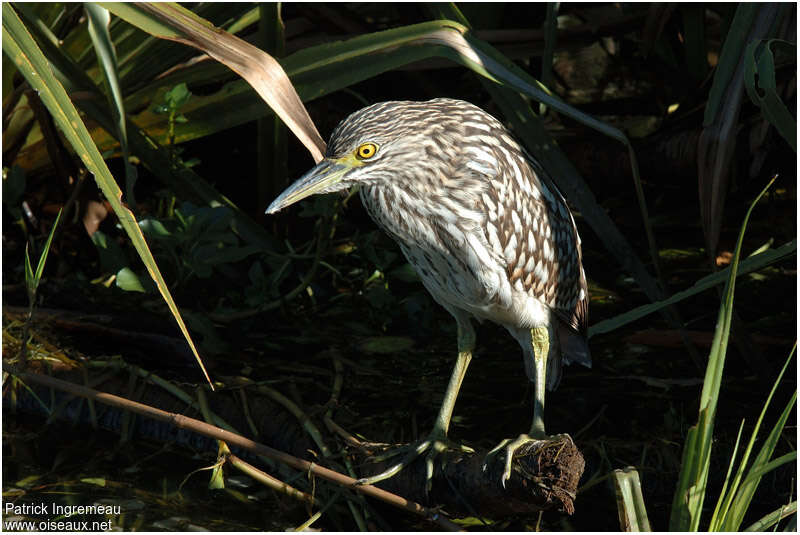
column 129, row 281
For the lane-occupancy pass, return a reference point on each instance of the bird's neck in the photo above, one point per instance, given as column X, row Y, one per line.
column 396, row 209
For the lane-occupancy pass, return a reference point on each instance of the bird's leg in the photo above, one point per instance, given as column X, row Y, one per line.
column 540, row 341
column 466, row 343
column 437, row 441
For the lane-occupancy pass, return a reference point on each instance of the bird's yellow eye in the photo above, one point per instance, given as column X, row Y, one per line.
column 366, row 151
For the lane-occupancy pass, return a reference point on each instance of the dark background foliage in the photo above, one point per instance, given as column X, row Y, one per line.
column 646, row 69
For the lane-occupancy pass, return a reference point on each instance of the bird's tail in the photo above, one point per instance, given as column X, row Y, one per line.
column 571, row 347
column 574, row 346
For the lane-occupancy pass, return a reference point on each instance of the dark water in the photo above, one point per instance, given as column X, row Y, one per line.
column 628, row 410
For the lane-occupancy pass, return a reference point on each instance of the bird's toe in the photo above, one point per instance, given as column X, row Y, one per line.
column 509, row 447
column 436, row 444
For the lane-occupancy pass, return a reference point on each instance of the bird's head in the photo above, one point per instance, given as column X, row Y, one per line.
column 384, row 141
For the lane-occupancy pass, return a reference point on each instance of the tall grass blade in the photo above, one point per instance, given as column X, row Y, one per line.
column 37, row 276
column 738, row 499
column 727, row 482
column 20, row 47
column 760, row 466
column 757, row 472
column 33, row 278
column 770, row 519
column 29, row 276
column 687, row 504
column 99, row 20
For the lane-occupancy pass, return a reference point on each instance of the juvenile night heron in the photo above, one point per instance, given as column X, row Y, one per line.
column 484, row 227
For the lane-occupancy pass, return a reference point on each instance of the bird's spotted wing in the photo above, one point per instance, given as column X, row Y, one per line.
column 530, row 226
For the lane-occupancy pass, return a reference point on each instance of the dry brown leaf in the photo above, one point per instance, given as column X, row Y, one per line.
column 257, row 67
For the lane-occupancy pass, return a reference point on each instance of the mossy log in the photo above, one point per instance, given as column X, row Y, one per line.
column 544, row 476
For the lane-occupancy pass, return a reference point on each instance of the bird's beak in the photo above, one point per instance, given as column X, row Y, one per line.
column 323, row 176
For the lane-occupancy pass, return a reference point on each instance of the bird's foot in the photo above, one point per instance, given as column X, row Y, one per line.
column 435, row 444
column 512, row 445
